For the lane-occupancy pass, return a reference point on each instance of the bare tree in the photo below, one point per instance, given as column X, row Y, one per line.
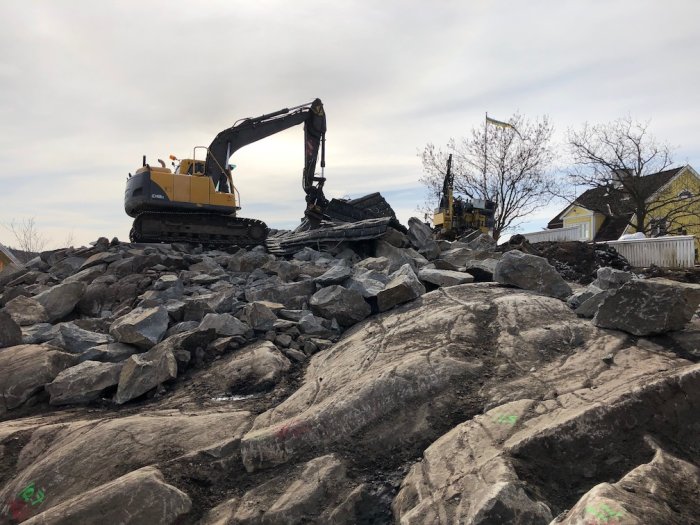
column 28, row 240
column 69, row 239
column 619, row 156
column 505, row 164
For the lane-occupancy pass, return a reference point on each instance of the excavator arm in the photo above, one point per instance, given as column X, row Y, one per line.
column 250, row 130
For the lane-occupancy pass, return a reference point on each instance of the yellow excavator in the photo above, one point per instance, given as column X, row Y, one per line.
column 455, row 217
column 197, row 201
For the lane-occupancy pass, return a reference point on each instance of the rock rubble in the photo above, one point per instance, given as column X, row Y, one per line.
column 398, row 380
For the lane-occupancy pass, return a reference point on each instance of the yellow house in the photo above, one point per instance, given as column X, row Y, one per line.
column 7, row 258
column 605, row 213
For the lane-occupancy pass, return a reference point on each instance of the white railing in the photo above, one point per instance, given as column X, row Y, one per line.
column 667, row 252
column 572, row 233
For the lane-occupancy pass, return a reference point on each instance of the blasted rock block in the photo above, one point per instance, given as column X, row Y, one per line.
column 644, row 495
column 75, row 340
column 83, row 383
column 276, row 291
column 142, row 372
column 444, row 278
column 645, row 307
column 142, row 327
column 531, row 272
column 397, row 256
column 10, row 332
column 253, row 369
column 403, row 287
column 141, row 496
column 303, row 500
column 345, row 306
column 336, row 274
column 25, row 369
column 421, row 237
column 224, row 325
column 610, row 279
column 26, row 311
column 109, row 353
column 258, row 316
column 60, row 300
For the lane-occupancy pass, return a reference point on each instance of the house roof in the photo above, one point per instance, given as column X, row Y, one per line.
column 612, row 202
column 8, row 253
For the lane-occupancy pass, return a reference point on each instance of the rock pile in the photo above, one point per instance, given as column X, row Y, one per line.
column 401, row 380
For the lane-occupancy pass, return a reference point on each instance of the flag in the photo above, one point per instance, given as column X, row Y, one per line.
column 495, row 122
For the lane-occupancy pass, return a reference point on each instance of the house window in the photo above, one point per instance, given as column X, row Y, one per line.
column 685, row 194
column 659, row 227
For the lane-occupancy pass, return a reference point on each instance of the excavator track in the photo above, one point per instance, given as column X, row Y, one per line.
column 205, row 228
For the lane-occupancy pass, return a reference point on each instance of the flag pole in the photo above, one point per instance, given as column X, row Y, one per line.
column 486, row 142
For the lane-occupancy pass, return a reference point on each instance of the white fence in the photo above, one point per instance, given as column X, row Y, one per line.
column 666, row 252
column 573, row 233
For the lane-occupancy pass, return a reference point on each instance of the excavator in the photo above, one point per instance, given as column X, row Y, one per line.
column 197, row 200
column 456, row 217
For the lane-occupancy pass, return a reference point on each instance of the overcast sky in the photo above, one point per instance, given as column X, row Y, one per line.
column 88, row 87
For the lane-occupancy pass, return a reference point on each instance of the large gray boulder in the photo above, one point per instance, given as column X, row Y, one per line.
column 39, row 333
column 610, row 279
column 580, row 296
column 83, row 382
column 481, row 269
column 444, row 278
column 645, row 307
column 368, row 283
column 345, row 306
column 26, row 311
column 92, row 451
column 311, row 325
column 403, row 287
column 75, row 340
column 531, row 272
column 457, row 256
column 397, row 257
column 274, row 290
column 591, row 302
column 421, row 237
column 256, row 367
column 336, row 274
column 258, row 316
column 309, row 495
column 141, row 496
column 87, row 275
column 10, row 332
column 60, row 300
column 25, row 369
column 109, row 353
column 644, row 495
column 224, row 325
column 66, row 267
column 101, row 258
column 143, row 372
column 142, row 327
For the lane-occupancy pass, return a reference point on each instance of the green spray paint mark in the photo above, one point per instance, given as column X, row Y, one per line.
column 504, row 419
column 20, row 508
column 30, row 494
column 604, row 513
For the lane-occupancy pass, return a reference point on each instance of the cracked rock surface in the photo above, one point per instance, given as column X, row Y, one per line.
column 174, row 384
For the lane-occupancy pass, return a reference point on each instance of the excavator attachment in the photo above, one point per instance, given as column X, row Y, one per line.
column 350, row 220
